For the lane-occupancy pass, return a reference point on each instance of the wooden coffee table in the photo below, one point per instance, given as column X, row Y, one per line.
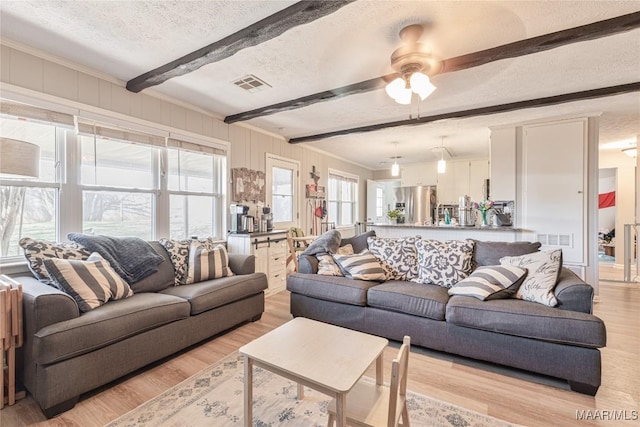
column 324, row 357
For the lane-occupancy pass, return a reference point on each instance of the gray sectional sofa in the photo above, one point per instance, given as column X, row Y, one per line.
column 561, row 341
column 67, row 353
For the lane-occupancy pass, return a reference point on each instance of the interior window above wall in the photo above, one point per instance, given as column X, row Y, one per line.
column 283, row 195
column 343, row 197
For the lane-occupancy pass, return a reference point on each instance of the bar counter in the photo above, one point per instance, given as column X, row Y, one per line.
column 496, row 234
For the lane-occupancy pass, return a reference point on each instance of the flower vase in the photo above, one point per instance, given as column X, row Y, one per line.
column 484, row 219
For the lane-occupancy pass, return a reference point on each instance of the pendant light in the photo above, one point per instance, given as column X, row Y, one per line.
column 442, row 165
column 395, row 168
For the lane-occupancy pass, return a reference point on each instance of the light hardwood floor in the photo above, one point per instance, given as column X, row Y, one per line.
column 503, row 393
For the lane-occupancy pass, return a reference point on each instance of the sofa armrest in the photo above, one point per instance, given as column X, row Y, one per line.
column 573, row 293
column 307, row 264
column 44, row 305
column 242, row 264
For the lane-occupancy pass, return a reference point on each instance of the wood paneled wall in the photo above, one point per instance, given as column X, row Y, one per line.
column 55, row 80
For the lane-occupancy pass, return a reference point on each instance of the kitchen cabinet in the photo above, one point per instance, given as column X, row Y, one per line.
column 462, row 178
column 419, row 174
column 270, row 250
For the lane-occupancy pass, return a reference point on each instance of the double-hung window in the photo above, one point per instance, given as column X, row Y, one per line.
column 343, row 198
column 196, row 182
column 29, row 206
column 119, row 181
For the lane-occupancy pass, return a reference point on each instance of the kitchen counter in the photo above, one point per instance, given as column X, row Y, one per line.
column 258, row 234
column 496, row 234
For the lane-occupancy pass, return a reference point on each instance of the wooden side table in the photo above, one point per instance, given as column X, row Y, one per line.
column 11, row 337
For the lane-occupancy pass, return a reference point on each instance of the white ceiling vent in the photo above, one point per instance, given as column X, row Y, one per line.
column 251, row 83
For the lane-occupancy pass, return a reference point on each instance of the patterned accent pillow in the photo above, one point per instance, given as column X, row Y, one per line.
column 91, row 283
column 327, row 266
column 36, row 251
column 398, row 257
column 490, row 282
column 362, row 266
column 444, row 263
column 179, row 252
column 206, row 262
column 543, row 272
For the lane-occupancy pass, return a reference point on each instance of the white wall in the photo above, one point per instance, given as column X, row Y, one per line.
column 626, row 193
column 26, row 74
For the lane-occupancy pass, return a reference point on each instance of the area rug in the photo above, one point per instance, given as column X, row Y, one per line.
column 214, row 397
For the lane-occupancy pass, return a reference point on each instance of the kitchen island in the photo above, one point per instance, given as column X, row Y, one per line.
column 494, row 234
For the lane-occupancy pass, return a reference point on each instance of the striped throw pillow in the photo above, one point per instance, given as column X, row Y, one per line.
column 207, row 263
column 91, row 283
column 361, row 266
column 490, row 282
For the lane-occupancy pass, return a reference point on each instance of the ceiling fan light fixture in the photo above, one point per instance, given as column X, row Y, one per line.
column 398, row 91
column 421, row 85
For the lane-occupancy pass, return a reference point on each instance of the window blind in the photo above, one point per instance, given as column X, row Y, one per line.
column 87, row 129
column 40, row 115
column 333, row 175
column 198, row 148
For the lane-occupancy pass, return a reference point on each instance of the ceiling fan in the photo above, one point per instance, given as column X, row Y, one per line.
column 413, row 62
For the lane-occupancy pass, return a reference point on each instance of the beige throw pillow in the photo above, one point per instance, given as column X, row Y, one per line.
column 543, row 269
column 327, row 266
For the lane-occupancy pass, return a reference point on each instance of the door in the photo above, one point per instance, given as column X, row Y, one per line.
column 283, row 190
column 375, row 201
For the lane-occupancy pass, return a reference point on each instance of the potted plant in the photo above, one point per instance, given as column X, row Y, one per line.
column 393, row 215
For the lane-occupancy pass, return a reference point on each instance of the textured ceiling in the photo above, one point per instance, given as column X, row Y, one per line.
column 127, row 38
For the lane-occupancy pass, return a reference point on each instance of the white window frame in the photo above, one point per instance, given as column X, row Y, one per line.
column 356, row 185
column 68, row 185
column 272, row 161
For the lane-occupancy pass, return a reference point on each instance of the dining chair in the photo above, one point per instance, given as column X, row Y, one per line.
column 371, row 405
column 297, row 242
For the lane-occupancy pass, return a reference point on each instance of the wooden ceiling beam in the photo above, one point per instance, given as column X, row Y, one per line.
column 501, row 108
column 528, row 46
column 266, row 29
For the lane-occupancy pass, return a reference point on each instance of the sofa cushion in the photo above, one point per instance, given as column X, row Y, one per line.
column 91, row 283
column 358, row 242
column 411, row 298
column 397, row 255
column 490, row 282
column 105, row 325
column 527, row 319
column 204, row 296
column 207, row 263
column 37, row 250
column 161, row 279
column 543, row 271
column 330, row 288
column 361, row 266
column 444, row 263
column 489, row 253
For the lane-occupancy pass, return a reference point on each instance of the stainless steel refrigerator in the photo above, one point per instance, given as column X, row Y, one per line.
column 416, row 204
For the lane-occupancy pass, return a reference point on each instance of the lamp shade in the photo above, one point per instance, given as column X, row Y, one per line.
column 395, row 169
column 19, row 159
column 442, row 166
column 398, row 91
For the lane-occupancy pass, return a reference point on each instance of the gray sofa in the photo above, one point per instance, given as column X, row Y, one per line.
column 560, row 341
column 67, row 353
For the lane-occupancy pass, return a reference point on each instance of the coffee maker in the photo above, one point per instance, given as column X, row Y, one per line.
column 238, row 218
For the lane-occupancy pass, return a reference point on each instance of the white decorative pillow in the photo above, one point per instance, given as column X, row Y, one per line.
column 543, row 270
column 327, row 266
column 398, row 256
column 444, row 263
column 490, row 282
column 36, row 251
column 206, row 262
column 362, row 266
column 91, row 283
column 179, row 252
